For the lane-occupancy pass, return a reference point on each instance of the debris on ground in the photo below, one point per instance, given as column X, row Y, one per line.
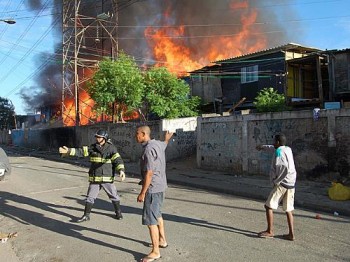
column 5, row 236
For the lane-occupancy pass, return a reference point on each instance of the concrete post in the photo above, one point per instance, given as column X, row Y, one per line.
column 244, row 145
column 331, row 128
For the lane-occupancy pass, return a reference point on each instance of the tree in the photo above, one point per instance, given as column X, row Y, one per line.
column 116, row 86
column 268, row 100
column 168, row 96
column 7, row 114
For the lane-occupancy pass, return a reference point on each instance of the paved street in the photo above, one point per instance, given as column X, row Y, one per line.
column 41, row 198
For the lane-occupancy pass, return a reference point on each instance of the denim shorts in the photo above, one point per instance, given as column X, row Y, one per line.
column 152, row 206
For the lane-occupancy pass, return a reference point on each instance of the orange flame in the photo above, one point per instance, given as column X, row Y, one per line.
column 170, row 50
column 86, row 113
column 85, row 110
column 170, row 54
column 85, row 104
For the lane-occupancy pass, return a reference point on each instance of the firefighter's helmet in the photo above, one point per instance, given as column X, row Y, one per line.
column 102, row 133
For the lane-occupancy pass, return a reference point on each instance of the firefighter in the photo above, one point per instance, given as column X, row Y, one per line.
column 105, row 163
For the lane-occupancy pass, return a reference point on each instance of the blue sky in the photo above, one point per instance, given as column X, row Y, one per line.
column 323, row 24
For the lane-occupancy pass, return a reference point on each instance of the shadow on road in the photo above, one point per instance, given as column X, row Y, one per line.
column 68, row 229
column 107, row 206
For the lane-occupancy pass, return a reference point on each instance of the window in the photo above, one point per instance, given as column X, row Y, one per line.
column 249, row 74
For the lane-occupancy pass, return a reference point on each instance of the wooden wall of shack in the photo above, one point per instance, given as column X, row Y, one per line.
column 271, row 74
column 339, row 74
column 307, row 79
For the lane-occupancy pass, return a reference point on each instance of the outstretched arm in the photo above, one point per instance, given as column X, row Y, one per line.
column 268, row 148
column 78, row 152
column 63, row 150
column 168, row 136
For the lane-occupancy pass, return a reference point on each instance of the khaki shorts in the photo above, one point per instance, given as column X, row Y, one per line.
column 278, row 194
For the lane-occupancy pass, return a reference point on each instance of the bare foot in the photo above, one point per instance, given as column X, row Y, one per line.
column 265, row 234
column 150, row 257
column 289, row 237
column 165, row 245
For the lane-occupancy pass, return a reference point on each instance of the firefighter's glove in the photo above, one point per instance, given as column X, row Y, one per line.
column 63, row 150
column 122, row 175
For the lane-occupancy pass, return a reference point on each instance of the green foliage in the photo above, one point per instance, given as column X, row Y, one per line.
column 117, row 85
column 268, row 100
column 7, row 112
column 120, row 84
column 167, row 96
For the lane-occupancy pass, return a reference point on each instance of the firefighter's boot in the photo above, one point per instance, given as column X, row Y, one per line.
column 118, row 212
column 87, row 211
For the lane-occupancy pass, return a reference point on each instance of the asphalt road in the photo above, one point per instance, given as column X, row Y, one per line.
column 41, row 199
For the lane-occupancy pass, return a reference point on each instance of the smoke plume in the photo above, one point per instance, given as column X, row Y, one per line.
column 202, row 30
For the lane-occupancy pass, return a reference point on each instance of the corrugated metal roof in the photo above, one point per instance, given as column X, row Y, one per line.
column 285, row 47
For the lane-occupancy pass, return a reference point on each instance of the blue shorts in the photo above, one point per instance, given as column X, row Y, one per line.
column 152, row 206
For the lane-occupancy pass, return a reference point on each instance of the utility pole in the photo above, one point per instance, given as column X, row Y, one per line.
column 76, row 77
column 82, row 51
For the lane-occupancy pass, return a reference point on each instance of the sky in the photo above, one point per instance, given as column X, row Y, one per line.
column 26, row 45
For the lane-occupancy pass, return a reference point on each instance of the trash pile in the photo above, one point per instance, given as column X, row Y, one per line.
column 5, row 236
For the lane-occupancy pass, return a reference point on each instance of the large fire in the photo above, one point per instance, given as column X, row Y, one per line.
column 169, row 52
column 86, row 113
column 169, row 43
column 169, row 48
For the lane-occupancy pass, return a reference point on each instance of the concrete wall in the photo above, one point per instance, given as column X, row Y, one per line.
column 319, row 146
column 225, row 143
column 5, row 137
column 45, row 139
column 121, row 134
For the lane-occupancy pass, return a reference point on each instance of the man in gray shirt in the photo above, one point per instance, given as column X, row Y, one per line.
column 154, row 184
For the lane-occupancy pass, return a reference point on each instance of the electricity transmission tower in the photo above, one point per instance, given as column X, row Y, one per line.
column 89, row 32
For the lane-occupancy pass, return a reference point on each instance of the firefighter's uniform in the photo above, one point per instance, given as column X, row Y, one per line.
column 105, row 164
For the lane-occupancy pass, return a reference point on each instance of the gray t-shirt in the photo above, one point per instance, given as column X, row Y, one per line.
column 153, row 158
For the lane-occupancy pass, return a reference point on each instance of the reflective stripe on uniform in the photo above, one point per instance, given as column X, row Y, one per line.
column 100, row 160
column 85, row 151
column 115, row 156
column 72, row 152
column 120, row 166
column 101, row 179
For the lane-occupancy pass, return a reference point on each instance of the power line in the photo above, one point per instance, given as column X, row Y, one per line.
column 28, row 78
column 18, row 6
column 207, row 25
column 21, row 36
column 29, row 51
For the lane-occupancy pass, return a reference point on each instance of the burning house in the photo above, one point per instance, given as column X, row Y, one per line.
column 155, row 33
column 308, row 77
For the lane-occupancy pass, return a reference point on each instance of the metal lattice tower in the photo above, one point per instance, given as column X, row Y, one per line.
column 89, row 34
